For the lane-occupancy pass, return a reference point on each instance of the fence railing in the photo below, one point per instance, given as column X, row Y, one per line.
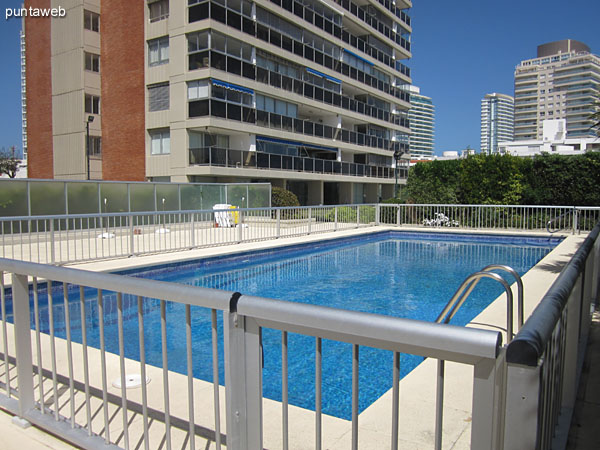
column 66, row 239
column 545, row 358
column 57, row 372
column 66, row 388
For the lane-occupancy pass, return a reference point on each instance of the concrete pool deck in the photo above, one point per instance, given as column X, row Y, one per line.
column 417, row 390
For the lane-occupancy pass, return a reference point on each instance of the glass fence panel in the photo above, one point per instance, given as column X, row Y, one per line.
column 113, row 197
column 13, row 198
column 82, row 198
column 167, row 197
column 142, row 197
column 47, row 198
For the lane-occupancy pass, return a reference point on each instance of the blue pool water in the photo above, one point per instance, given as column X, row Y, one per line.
column 409, row 275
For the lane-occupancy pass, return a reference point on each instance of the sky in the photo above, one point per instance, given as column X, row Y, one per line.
column 461, row 49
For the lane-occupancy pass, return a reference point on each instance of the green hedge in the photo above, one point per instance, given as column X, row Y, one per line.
column 507, row 180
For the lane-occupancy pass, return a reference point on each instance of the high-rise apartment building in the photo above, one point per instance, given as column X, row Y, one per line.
column 23, row 96
column 561, row 83
column 422, row 124
column 497, row 121
column 302, row 93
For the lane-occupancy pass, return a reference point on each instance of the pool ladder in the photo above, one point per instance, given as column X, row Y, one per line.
column 451, row 308
column 465, row 289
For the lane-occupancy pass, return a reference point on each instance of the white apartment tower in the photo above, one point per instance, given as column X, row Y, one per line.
column 497, row 121
column 561, row 83
column 422, row 123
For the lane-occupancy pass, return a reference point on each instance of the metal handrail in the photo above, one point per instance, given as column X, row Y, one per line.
column 467, row 286
column 574, row 211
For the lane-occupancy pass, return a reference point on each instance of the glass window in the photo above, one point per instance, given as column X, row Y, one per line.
column 91, row 21
column 197, row 89
column 160, row 142
column 92, row 104
column 159, row 10
column 92, row 62
column 218, row 42
column 158, row 51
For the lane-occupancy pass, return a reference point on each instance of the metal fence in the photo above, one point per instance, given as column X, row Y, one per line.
column 72, row 238
column 65, row 387
column 54, row 378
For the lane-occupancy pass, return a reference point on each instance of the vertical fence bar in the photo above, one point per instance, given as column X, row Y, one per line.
column 439, row 404
column 278, row 218
column 215, row 358
column 22, row 333
column 53, row 349
column 122, row 369
column 86, row 373
column 318, row 392
column 284, row 390
column 69, row 353
column 143, row 371
column 38, row 343
column 52, row 250
column 190, row 376
column 395, row 399
column 354, row 397
column 165, row 370
column 103, row 366
column 309, row 219
column 4, row 335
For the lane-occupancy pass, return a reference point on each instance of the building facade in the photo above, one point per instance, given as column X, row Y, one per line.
column 562, row 82
column 422, row 124
column 497, row 121
column 554, row 142
column 304, row 94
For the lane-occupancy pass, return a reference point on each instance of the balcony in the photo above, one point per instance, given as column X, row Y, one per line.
column 317, row 93
column 218, row 108
column 244, row 159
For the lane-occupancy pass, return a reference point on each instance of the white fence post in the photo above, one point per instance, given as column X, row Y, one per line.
column 522, row 405
column 20, row 292
column 357, row 216
column 131, row 237
column 278, row 215
column 192, row 231
column 243, row 382
column 488, row 393
column 335, row 213
column 52, row 251
column 398, row 216
column 309, row 220
column 378, row 214
column 239, row 226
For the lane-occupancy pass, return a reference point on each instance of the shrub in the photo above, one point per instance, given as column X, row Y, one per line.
column 282, row 197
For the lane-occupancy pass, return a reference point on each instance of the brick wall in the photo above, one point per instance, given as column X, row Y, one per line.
column 39, row 93
column 123, row 90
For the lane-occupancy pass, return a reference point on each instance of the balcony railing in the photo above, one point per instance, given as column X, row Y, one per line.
column 225, row 157
column 217, row 108
column 311, row 91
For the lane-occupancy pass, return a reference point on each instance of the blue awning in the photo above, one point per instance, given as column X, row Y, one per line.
column 295, row 143
column 233, row 87
column 314, row 72
column 356, row 56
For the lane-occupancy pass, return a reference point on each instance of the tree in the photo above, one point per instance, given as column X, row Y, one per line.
column 596, row 118
column 9, row 165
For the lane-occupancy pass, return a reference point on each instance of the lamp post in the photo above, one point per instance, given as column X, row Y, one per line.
column 89, row 120
column 397, row 156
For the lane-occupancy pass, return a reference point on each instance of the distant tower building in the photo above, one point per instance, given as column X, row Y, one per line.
column 23, row 96
column 561, row 83
column 497, row 121
column 422, row 120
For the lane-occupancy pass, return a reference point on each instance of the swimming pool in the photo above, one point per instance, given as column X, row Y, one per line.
column 394, row 273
